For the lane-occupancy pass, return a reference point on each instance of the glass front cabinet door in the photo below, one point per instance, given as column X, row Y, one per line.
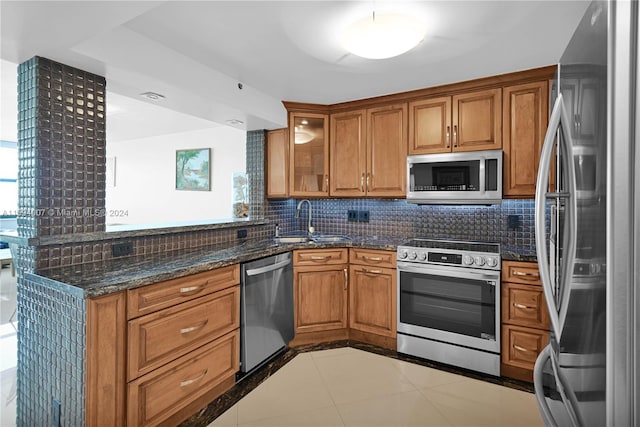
column 309, row 155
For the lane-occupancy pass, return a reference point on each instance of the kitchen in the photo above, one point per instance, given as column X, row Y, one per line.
column 387, row 218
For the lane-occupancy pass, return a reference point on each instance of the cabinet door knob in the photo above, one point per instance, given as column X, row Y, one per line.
column 193, row 380
column 368, row 176
column 191, row 290
column 194, row 328
column 362, row 183
column 346, row 279
column 522, row 306
column 520, row 348
column 448, row 136
column 534, row 276
column 455, row 135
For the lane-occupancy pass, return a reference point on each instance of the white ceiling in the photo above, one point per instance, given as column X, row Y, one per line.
column 196, row 52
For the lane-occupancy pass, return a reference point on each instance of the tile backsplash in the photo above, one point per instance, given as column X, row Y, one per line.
column 397, row 218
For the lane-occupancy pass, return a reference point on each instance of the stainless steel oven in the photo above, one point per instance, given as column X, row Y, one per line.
column 449, row 302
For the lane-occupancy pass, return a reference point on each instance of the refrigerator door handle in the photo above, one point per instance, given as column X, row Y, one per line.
column 557, row 314
column 545, row 411
column 568, row 397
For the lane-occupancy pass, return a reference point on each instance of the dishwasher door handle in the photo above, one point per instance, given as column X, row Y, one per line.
column 268, row 268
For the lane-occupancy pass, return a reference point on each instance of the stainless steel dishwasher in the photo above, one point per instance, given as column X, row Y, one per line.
column 266, row 300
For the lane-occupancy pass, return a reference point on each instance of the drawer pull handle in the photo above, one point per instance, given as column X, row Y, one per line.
column 524, row 307
column 520, row 348
column 372, row 258
column 191, row 290
column 193, row 328
column 371, row 271
column 524, row 274
column 319, row 258
column 193, row 380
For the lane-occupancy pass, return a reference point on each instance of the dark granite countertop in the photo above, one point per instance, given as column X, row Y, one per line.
column 100, row 278
column 514, row 253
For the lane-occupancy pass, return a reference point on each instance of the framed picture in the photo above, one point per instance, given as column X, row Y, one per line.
column 192, row 169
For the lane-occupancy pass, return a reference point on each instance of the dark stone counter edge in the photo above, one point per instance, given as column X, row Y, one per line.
column 217, row 407
column 145, row 273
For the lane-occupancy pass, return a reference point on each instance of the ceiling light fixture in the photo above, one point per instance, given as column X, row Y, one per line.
column 303, row 137
column 234, row 122
column 153, row 96
column 384, row 35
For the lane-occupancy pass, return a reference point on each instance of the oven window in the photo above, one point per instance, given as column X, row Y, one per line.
column 461, row 306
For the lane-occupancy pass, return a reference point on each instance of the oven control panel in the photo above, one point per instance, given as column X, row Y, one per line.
column 484, row 256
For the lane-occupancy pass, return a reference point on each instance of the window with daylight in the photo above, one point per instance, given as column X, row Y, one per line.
column 8, row 178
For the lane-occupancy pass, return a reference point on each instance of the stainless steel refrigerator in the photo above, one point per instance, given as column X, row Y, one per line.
column 578, row 377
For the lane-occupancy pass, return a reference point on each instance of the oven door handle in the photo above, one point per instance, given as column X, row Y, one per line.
column 492, row 279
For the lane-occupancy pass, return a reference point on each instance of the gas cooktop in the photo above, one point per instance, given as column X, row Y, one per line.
column 484, row 255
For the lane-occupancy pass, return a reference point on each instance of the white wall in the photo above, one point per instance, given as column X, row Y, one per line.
column 145, row 177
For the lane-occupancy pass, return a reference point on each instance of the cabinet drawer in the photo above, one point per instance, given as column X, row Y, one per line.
column 524, row 305
column 521, row 346
column 520, row 272
column 148, row 299
column 372, row 257
column 158, row 395
column 320, row 257
column 160, row 337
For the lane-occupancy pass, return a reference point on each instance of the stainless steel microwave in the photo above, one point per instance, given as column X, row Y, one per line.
column 472, row 177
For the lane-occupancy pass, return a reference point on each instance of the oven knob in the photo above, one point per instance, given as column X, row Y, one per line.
column 422, row 256
column 403, row 254
column 479, row 260
column 413, row 255
column 468, row 260
column 492, row 262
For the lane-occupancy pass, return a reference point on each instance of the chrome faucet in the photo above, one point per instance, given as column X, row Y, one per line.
column 309, row 226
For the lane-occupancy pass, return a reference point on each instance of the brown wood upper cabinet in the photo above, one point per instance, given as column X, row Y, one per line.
column 525, row 116
column 368, row 152
column 308, row 155
column 463, row 122
column 277, row 163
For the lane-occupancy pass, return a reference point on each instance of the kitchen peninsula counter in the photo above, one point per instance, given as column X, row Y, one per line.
column 95, row 279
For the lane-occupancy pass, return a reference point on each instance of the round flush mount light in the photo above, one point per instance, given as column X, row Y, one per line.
column 303, row 137
column 382, row 35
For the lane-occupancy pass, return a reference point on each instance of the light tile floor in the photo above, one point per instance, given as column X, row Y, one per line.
column 349, row 387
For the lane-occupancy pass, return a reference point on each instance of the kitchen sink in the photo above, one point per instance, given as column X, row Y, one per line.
column 321, row 238
column 291, row 239
column 330, row 238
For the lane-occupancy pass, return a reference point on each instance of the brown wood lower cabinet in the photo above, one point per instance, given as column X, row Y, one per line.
column 320, row 295
column 345, row 294
column 159, row 396
column 525, row 319
column 180, row 340
column 372, row 297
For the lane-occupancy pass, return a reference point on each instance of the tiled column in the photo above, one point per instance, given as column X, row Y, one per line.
column 61, row 149
column 61, row 190
column 255, row 172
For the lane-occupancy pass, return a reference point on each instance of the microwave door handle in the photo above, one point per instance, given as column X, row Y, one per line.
column 542, row 184
column 483, row 175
